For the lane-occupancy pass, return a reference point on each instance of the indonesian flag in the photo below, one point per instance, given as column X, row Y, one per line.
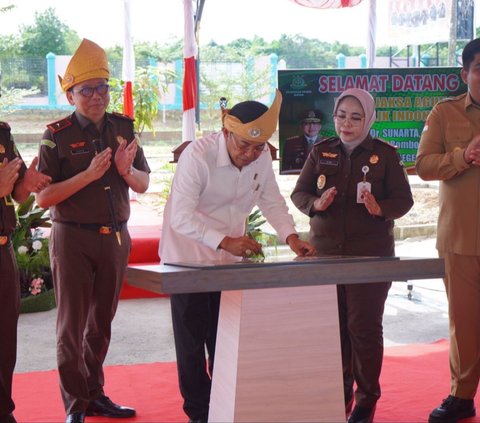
column 190, row 75
column 327, row 4
column 128, row 63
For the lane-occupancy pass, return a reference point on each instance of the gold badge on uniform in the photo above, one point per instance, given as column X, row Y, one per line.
column 329, row 155
column 2, row 149
column 374, row 159
column 321, row 181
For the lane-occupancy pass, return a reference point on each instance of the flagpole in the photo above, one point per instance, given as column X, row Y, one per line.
column 190, row 74
column 128, row 71
column 128, row 63
column 372, row 34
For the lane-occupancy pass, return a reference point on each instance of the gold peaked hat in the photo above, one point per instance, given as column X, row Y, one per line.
column 88, row 62
column 261, row 129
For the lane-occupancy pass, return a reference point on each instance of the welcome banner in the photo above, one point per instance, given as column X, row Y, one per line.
column 403, row 98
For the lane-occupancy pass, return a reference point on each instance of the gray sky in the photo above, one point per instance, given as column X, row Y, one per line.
column 222, row 21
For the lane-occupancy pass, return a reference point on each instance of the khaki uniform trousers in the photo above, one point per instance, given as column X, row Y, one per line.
column 462, row 284
column 9, row 310
column 88, row 270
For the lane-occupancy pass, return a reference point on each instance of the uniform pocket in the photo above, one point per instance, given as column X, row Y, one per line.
column 458, row 136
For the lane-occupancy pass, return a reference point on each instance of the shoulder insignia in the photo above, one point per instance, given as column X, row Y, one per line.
column 292, row 137
column 386, row 143
column 122, row 116
column 4, row 125
column 48, row 143
column 59, row 125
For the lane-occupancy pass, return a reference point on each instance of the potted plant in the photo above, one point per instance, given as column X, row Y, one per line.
column 31, row 250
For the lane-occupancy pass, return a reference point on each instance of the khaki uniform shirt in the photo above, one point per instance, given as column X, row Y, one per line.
column 450, row 127
column 346, row 227
column 67, row 149
column 8, row 150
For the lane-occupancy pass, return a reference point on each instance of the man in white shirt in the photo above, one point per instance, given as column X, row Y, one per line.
column 218, row 181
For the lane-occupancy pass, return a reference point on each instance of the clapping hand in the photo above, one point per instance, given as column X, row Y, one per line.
column 9, row 172
column 322, row 203
column 371, row 204
column 34, row 180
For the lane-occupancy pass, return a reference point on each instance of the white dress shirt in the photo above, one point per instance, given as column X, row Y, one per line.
column 211, row 199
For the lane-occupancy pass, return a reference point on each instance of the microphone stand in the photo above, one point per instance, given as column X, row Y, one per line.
column 99, row 147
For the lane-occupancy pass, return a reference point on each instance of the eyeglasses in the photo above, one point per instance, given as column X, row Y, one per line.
column 245, row 147
column 355, row 120
column 101, row 89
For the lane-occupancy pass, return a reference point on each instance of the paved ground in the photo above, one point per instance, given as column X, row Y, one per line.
column 142, row 330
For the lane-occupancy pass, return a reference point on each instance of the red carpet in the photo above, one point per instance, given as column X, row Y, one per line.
column 415, row 379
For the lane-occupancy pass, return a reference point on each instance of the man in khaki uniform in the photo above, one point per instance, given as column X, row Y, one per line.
column 93, row 159
column 16, row 181
column 449, row 151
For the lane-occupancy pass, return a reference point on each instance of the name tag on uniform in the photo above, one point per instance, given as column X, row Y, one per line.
column 363, row 186
column 328, row 162
column 79, row 147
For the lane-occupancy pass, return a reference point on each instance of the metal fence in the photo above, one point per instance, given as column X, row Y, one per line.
column 24, row 72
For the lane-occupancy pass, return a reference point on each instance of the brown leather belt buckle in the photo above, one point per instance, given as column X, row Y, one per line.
column 105, row 230
column 3, row 240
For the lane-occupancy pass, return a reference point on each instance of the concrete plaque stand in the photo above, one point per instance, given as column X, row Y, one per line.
column 278, row 357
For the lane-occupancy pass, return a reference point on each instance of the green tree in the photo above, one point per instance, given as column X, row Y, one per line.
column 9, row 46
column 47, row 34
column 249, row 83
column 149, row 86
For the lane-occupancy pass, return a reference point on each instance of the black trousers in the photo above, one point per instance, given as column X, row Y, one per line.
column 195, row 320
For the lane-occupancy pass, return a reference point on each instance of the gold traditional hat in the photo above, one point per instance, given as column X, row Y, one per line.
column 261, row 129
column 88, row 62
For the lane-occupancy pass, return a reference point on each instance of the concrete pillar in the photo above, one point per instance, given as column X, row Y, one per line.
column 51, row 80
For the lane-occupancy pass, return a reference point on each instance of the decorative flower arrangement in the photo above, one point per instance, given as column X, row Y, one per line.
column 31, row 249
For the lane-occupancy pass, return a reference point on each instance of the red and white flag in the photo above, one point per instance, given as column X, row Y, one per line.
column 190, row 75
column 128, row 63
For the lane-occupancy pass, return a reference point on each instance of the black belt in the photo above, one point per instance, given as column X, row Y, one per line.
column 105, row 229
column 5, row 240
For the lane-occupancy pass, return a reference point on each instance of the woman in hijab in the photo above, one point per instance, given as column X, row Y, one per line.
column 353, row 187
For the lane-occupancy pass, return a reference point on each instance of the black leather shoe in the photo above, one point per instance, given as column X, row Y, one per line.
column 76, row 417
column 7, row 419
column 362, row 415
column 103, row 406
column 451, row 410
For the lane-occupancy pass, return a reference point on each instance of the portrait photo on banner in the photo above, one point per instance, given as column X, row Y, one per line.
column 403, row 100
